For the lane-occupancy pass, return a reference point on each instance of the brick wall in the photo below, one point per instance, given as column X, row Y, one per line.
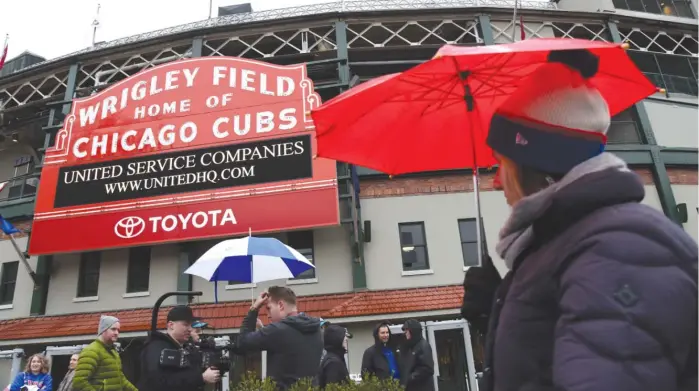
column 459, row 183
column 23, row 226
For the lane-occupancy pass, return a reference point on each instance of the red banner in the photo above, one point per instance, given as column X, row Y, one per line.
column 199, row 148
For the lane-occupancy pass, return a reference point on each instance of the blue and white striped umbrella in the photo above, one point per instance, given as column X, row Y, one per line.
column 250, row 259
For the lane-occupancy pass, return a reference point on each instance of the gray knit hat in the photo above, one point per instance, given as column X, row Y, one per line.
column 106, row 322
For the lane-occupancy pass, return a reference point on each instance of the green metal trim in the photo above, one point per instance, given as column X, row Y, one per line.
column 23, row 207
column 487, row 32
column 343, row 70
column 647, row 135
column 664, row 187
column 356, row 243
column 40, row 294
column 680, row 156
column 43, row 263
column 633, row 158
column 184, row 281
column 197, row 45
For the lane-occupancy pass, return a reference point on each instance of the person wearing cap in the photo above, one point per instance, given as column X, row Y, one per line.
column 99, row 363
column 198, row 327
column 333, row 368
column 156, row 376
column 601, row 290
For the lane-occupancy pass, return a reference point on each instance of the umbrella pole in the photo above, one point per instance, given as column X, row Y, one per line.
column 470, row 102
column 252, row 272
column 477, row 197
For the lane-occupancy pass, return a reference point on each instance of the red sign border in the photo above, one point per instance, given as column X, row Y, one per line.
column 56, row 155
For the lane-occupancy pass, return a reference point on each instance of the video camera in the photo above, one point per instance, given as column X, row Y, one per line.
column 216, row 353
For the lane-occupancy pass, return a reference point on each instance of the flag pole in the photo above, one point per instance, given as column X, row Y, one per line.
column 252, row 273
column 514, row 22
column 24, row 260
column 95, row 24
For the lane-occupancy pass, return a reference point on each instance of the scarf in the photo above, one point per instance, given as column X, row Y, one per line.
column 67, row 383
column 517, row 233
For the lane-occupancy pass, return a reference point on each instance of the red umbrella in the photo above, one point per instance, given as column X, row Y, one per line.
column 435, row 115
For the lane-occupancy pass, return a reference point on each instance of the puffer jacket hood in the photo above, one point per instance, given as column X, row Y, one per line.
column 303, row 323
column 415, row 331
column 378, row 341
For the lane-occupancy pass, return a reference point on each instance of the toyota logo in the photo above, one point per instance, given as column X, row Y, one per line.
column 129, row 227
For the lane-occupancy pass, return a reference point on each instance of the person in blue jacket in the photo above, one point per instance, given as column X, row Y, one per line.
column 35, row 376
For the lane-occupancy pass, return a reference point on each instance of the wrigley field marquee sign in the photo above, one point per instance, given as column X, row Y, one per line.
column 198, row 148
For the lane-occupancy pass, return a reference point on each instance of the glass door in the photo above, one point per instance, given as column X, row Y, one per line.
column 453, row 355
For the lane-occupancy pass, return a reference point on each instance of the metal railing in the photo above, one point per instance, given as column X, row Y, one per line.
column 675, row 84
column 329, row 8
column 680, row 8
column 19, row 187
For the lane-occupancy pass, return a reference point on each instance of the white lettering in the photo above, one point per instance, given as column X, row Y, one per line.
column 192, row 220
column 169, row 223
column 171, row 79
column 247, row 79
column 265, row 122
column 131, row 140
column 287, row 119
column 217, row 131
column 79, row 153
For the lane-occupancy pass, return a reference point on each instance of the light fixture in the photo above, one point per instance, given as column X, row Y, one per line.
column 407, row 249
column 15, row 137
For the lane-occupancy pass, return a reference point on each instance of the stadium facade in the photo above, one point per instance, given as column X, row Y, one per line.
column 403, row 244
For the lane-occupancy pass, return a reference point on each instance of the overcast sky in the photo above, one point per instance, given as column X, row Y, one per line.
column 51, row 28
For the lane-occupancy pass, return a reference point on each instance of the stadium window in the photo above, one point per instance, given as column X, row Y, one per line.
column 413, row 246
column 138, row 272
column 302, row 241
column 89, row 274
column 8, row 281
column 676, row 74
column 681, row 8
column 469, row 241
column 624, row 128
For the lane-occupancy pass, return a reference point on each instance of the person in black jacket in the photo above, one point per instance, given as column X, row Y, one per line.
column 293, row 341
column 380, row 359
column 156, row 376
column 417, row 365
column 480, row 284
column 333, row 368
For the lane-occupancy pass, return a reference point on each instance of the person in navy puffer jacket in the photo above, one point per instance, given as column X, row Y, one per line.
column 601, row 292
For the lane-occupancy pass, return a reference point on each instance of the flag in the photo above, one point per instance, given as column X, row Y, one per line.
column 4, row 52
column 3, row 184
column 7, row 228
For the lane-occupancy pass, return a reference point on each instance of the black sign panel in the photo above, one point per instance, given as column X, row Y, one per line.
column 210, row 168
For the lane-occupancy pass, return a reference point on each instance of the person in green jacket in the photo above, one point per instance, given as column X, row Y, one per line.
column 99, row 365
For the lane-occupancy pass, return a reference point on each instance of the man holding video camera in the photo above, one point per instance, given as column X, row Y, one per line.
column 293, row 341
column 165, row 364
